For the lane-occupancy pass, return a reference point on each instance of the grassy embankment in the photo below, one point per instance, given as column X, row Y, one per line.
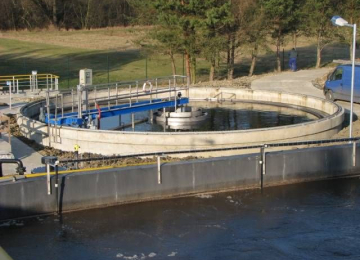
column 66, row 52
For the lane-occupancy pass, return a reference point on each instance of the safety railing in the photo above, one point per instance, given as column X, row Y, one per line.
column 32, row 82
column 262, row 151
column 85, row 98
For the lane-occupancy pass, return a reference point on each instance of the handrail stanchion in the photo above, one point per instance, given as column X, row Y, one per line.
column 354, row 153
column 262, row 163
column 117, row 93
column 156, row 86
column 57, row 186
column 159, row 175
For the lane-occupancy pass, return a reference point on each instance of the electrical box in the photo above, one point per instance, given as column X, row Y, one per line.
column 85, row 77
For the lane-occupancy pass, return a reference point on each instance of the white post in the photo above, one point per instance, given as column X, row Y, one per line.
column 10, row 90
column 17, row 86
column 56, row 84
column 352, row 79
column 48, row 179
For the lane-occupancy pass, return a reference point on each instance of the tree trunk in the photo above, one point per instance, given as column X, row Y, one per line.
column 193, row 69
column 87, row 17
column 54, row 13
column 318, row 52
column 253, row 60
column 187, row 63
column 212, row 69
column 232, row 58
column 318, row 56
column 173, row 66
column 294, row 40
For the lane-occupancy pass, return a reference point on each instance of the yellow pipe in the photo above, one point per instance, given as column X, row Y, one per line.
column 4, row 255
column 84, row 170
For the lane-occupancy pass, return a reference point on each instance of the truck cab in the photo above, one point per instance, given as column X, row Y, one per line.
column 338, row 84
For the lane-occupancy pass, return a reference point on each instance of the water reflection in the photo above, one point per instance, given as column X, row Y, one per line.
column 224, row 116
column 317, row 220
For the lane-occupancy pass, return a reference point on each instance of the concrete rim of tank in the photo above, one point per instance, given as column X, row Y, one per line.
column 114, row 142
column 339, row 112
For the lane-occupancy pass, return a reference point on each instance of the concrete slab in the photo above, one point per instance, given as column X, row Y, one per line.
column 30, row 158
column 299, row 82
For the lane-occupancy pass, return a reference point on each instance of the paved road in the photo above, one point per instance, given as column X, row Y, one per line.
column 298, row 82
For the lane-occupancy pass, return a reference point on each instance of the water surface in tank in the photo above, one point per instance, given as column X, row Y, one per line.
column 221, row 117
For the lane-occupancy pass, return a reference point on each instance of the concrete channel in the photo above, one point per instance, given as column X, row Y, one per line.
column 100, row 188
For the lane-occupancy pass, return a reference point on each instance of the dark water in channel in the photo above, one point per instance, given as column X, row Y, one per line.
column 319, row 220
column 225, row 116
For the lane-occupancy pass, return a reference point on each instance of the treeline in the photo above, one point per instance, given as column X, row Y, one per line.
column 210, row 29
column 68, row 14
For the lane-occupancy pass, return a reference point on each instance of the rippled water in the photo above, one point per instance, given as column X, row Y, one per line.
column 226, row 116
column 319, row 220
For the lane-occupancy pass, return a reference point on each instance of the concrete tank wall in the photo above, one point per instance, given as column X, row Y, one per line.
column 132, row 184
column 115, row 142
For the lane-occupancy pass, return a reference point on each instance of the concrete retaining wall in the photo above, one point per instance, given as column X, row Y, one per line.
column 115, row 142
column 132, row 184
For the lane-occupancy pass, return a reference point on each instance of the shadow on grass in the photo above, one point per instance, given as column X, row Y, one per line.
column 130, row 64
column 67, row 65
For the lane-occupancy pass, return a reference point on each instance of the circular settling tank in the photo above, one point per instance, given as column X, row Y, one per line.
column 234, row 117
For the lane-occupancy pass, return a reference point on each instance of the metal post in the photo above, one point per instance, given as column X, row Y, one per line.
column 133, row 121
column 48, row 114
column 13, row 83
column 57, row 186
column 62, row 105
column 72, row 100
column 56, row 112
column 159, row 169
column 108, row 68
column 68, row 70
column 156, row 85
column 146, row 67
column 17, row 86
column 354, row 154
column 352, row 78
column 108, row 97
column 169, row 89
column 10, row 90
column 48, row 180
column 117, row 93
column 262, row 166
column 130, row 95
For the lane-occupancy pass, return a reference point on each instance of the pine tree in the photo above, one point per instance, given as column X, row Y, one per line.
column 279, row 15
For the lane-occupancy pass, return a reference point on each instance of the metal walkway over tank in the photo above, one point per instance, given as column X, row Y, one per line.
column 100, row 101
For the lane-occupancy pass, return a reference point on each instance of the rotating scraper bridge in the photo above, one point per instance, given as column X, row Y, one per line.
column 73, row 117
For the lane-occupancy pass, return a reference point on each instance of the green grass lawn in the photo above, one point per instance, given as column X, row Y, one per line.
column 65, row 53
column 18, row 57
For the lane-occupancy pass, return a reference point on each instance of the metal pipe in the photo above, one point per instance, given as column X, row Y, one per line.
column 19, row 170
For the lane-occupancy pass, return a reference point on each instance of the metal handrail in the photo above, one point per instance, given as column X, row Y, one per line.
column 257, row 146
